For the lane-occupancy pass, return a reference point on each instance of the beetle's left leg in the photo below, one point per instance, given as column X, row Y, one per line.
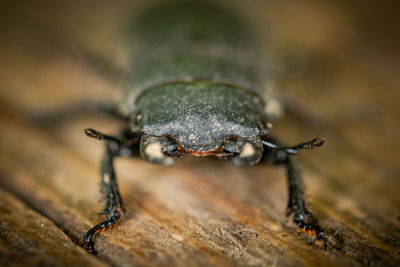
column 296, row 203
column 113, row 202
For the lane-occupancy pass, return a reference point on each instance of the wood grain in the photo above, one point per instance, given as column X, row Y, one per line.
column 27, row 238
column 201, row 211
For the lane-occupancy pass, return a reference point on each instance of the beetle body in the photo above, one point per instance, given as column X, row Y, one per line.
column 194, row 79
column 195, row 87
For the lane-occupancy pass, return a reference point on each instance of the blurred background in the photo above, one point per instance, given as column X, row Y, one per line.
column 345, row 88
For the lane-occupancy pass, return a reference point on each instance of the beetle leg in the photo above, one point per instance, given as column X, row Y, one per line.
column 113, row 202
column 296, row 202
column 294, row 150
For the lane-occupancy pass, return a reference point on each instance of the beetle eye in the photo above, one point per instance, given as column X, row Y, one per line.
column 250, row 154
column 246, row 150
column 156, row 149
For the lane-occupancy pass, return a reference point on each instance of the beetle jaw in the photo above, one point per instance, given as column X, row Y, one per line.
column 162, row 149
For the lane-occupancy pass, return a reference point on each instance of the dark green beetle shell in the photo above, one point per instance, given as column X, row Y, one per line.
column 194, row 78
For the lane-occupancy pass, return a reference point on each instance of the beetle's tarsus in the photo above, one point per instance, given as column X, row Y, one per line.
column 87, row 240
column 308, row 224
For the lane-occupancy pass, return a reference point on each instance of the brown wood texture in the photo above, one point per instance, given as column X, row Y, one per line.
column 201, row 211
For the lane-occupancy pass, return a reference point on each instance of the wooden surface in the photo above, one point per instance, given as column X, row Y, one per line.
column 200, row 211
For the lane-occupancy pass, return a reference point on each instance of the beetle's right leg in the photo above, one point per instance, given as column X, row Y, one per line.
column 113, row 202
column 275, row 154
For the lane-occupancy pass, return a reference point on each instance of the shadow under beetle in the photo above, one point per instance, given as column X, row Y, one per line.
column 195, row 89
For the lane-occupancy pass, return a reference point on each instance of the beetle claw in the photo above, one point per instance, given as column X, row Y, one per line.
column 309, row 225
column 87, row 240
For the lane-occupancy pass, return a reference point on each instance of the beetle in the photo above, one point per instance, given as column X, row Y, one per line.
column 195, row 89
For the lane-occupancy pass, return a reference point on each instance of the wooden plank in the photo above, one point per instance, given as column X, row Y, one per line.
column 29, row 239
column 204, row 211
column 170, row 217
column 194, row 214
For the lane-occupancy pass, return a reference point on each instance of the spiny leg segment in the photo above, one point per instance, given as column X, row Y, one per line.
column 114, row 205
column 275, row 154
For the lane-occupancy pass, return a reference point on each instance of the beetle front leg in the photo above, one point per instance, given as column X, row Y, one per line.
column 109, row 187
column 297, row 205
column 296, row 202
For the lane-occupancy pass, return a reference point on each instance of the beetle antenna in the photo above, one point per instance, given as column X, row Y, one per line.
column 100, row 136
column 316, row 142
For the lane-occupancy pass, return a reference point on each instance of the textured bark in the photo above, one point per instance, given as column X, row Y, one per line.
column 201, row 211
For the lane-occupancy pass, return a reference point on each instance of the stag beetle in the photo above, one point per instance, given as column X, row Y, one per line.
column 195, row 89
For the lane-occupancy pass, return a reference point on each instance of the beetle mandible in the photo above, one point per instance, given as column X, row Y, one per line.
column 195, row 89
